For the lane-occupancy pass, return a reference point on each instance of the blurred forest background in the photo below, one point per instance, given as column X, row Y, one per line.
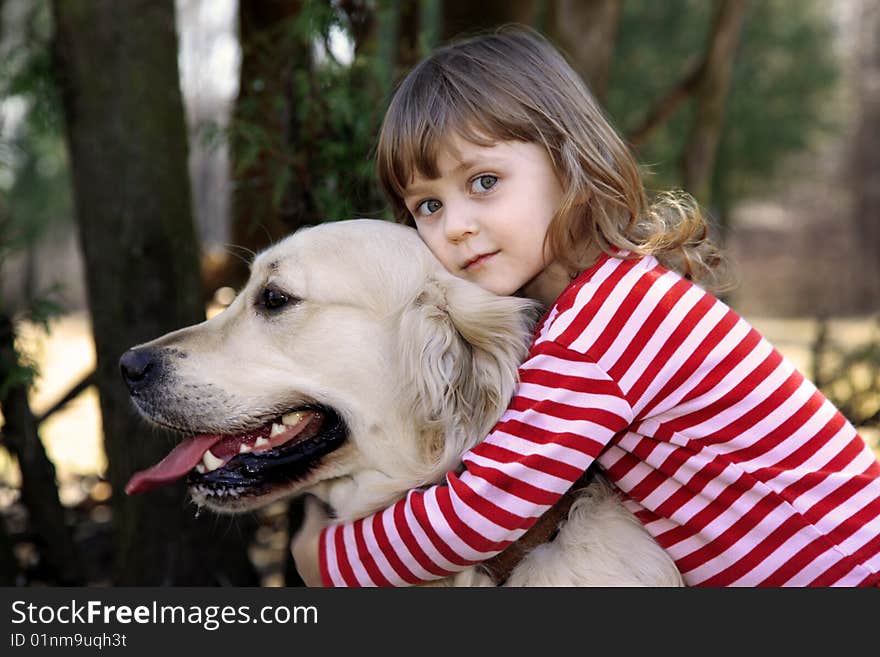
column 148, row 146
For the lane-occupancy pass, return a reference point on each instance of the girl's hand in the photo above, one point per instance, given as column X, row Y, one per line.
column 304, row 545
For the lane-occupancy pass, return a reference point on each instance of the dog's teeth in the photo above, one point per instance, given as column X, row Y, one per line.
column 211, row 462
column 276, row 429
column 260, row 442
column 292, row 418
column 244, row 448
column 201, row 469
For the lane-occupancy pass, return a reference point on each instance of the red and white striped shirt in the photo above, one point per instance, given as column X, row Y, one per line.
column 741, row 470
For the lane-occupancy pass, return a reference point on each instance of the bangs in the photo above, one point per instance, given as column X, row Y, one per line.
column 435, row 104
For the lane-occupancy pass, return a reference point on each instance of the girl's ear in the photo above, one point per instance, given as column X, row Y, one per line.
column 460, row 347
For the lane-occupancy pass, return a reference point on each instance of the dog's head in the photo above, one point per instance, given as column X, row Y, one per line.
column 351, row 366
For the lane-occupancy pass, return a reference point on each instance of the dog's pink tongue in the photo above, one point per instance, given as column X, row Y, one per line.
column 181, row 460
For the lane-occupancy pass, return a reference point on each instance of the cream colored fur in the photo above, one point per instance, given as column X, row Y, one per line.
column 419, row 365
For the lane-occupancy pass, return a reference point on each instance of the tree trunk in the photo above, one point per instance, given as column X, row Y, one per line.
column 699, row 153
column 9, row 570
column 361, row 15
column 866, row 157
column 430, row 25
column 270, row 190
column 587, row 30
column 39, row 492
column 666, row 106
column 463, row 17
column 394, row 35
column 389, row 47
column 128, row 146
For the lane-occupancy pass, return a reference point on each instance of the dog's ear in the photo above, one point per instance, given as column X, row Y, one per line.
column 460, row 347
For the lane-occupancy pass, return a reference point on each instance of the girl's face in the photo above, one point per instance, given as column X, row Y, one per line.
column 486, row 215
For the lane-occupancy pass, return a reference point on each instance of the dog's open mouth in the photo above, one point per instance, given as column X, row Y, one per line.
column 249, row 463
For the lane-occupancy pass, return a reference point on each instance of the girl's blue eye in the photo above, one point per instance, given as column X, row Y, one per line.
column 483, row 183
column 428, row 207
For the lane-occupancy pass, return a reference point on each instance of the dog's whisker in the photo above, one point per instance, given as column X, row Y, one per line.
column 247, row 257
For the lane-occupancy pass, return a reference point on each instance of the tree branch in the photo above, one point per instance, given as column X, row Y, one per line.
column 698, row 161
column 39, row 492
column 87, row 381
column 720, row 48
column 667, row 105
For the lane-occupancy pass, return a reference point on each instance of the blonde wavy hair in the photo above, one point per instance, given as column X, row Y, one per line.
column 512, row 84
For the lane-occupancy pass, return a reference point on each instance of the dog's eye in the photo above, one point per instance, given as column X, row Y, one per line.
column 272, row 298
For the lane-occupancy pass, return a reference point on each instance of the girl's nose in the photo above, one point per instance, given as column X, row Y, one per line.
column 459, row 224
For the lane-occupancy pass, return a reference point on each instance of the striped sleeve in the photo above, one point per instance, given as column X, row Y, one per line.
column 732, row 460
column 736, row 464
column 563, row 414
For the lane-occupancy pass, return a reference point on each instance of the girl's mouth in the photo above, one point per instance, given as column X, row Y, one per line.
column 477, row 262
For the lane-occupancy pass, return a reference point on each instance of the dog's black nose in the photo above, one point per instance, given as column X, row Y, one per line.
column 140, row 368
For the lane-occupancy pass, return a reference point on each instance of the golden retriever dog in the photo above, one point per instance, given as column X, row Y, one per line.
column 353, row 367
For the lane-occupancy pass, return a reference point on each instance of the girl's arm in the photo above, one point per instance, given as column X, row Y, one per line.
column 304, row 545
column 564, row 412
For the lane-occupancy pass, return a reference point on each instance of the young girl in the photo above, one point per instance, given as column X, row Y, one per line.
column 741, row 470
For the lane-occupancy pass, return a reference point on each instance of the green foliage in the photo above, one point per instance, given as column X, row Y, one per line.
column 340, row 106
column 784, row 76
column 21, row 373
column 336, row 111
column 783, row 79
column 658, row 43
column 45, row 308
column 35, row 189
column 782, row 96
column 26, row 67
column 35, row 193
column 21, row 369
